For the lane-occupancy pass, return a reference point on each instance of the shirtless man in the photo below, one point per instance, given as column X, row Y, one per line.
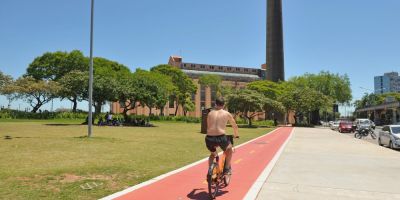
column 216, row 124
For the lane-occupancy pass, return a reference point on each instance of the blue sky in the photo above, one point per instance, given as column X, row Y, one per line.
column 356, row 37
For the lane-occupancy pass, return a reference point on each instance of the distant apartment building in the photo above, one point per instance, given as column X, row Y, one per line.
column 204, row 97
column 389, row 82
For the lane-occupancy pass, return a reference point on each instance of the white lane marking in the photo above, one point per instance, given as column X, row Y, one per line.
column 257, row 185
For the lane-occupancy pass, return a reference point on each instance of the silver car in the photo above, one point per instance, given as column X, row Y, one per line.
column 335, row 125
column 390, row 136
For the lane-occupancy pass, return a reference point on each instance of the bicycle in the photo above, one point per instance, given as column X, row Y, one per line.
column 215, row 174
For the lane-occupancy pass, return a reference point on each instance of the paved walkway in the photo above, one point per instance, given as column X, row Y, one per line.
column 249, row 162
column 322, row 164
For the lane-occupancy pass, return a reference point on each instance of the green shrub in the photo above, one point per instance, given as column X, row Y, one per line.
column 15, row 114
column 267, row 123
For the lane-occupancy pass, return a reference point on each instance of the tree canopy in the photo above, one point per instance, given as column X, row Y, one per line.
column 247, row 102
column 335, row 86
column 4, row 81
column 270, row 89
column 54, row 65
column 184, row 84
column 72, row 87
column 35, row 92
column 106, row 78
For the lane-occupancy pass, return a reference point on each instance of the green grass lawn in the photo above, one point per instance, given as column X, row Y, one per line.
column 51, row 159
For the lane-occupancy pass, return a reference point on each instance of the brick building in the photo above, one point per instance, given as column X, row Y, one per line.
column 204, row 96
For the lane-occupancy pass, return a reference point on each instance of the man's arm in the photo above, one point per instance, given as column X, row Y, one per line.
column 234, row 125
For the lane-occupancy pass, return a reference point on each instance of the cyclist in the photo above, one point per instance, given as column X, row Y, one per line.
column 216, row 124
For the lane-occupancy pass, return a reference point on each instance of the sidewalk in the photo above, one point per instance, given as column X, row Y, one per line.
column 322, row 164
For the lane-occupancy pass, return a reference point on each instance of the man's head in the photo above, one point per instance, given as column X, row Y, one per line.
column 220, row 102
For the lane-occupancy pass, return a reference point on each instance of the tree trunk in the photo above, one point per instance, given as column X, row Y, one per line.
column 162, row 111
column 176, row 110
column 36, row 107
column 250, row 122
column 97, row 108
column 315, row 118
column 125, row 114
column 75, row 105
column 150, row 111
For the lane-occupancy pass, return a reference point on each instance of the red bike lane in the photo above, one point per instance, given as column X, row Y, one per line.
column 248, row 162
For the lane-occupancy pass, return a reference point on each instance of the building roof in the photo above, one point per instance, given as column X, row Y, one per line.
column 196, row 73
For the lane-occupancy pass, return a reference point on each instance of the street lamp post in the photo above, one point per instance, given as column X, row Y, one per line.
column 90, row 117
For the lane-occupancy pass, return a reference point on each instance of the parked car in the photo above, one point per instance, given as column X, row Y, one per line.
column 364, row 123
column 345, row 126
column 334, row 125
column 390, row 136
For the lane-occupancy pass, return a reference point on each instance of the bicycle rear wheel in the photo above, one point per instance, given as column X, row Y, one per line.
column 212, row 180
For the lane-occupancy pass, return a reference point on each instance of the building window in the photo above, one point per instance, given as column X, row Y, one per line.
column 202, row 93
column 202, row 96
column 220, row 68
column 202, row 66
column 193, row 66
column 213, row 95
column 237, row 69
column 229, row 69
column 246, row 70
column 253, row 70
column 184, row 65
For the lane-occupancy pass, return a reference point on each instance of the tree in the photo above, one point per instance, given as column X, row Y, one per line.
column 73, row 86
column 155, row 89
column 211, row 80
column 270, row 89
column 5, row 82
column 54, row 65
column 184, row 85
column 334, row 86
column 35, row 92
column 105, row 81
column 303, row 100
column 129, row 92
column 248, row 102
column 188, row 106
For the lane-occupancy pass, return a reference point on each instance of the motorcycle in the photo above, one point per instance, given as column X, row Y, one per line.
column 364, row 132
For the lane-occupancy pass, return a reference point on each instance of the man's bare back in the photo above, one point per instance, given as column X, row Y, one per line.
column 217, row 120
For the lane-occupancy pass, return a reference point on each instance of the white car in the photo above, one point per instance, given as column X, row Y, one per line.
column 364, row 123
column 335, row 125
column 390, row 136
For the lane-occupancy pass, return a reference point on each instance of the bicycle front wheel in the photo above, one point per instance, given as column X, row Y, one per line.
column 212, row 179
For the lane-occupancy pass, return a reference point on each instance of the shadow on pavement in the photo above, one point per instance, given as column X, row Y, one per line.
column 202, row 194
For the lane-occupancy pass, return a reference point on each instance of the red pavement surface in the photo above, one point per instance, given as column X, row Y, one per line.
column 248, row 162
